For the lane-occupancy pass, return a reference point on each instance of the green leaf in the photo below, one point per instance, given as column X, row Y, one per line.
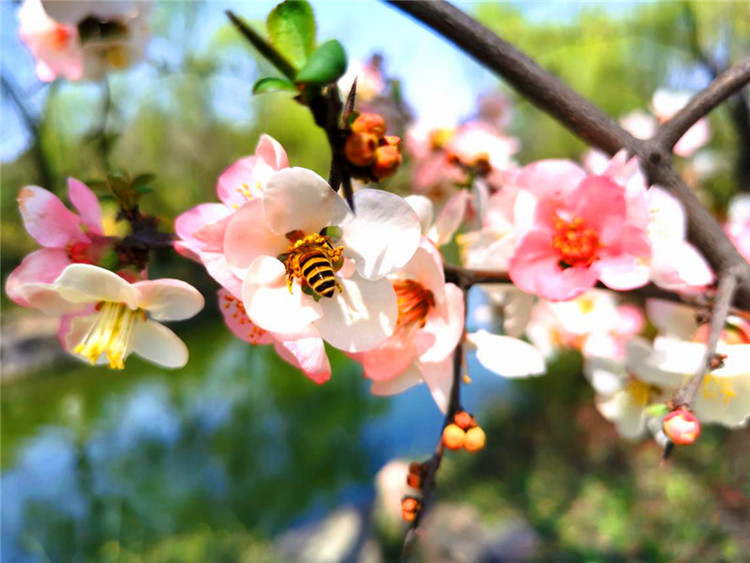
column 291, row 28
column 272, row 84
column 326, row 65
column 143, row 180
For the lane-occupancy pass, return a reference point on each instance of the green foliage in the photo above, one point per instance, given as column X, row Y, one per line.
column 291, row 29
column 272, row 84
column 326, row 65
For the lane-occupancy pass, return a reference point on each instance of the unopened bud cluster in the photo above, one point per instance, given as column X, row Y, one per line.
column 411, row 505
column 372, row 154
column 681, row 426
column 464, row 433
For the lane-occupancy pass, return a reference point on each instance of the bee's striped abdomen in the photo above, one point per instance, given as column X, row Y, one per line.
column 318, row 272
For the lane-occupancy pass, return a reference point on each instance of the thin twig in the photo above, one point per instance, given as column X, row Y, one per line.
column 685, row 394
column 725, row 85
column 433, row 464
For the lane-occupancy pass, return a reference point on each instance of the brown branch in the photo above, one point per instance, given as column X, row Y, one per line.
column 586, row 121
column 433, row 464
column 724, row 86
column 685, row 394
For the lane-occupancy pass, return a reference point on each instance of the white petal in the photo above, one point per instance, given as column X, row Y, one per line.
column 270, row 305
column 84, row 283
column 158, row 344
column 360, row 317
column 667, row 215
column 450, row 218
column 672, row 319
column 398, row 384
column 628, row 416
column 384, row 234
column 297, row 199
column 507, row 356
column 422, row 206
column 606, row 375
column 247, row 236
column 168, row 299
column 439, row 378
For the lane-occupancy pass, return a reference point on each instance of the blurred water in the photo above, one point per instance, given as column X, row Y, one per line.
column 237, row 439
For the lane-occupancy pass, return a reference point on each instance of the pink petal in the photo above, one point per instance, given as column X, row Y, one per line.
column 307, row 354
column 248, row 237
column 439, row 378
column 47, row 219
column 188, row 223
column 40, row 267
column 239, row 323
column 551, row 178
column 444, row 327
column 237, row 184
column 391, row 358
column 450, row 218
column 398, row 384
column 270, row 152
column 534, row 268
column 87, row 204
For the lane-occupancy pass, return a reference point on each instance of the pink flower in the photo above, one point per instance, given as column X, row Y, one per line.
column 310, row 267
column 665, row 104
column 200, row 230
column 573, row 232
column 55, row 46
column 429, row 326
column 113, row 318
column 66, row 237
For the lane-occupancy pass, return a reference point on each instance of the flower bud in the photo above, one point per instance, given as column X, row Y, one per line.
column 681, row 426
column 464, row 420
column 415, row 478
column 387, row 161
column 369, row 123
column 475, row 439
column 410, row 507
column 453, row 437
column 361, row 149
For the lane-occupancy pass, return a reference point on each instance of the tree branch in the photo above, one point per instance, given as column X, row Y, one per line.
column 685, row 394
column 724, row 86
column 587, row 122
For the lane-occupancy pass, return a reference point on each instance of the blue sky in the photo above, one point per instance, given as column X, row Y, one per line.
column 445, row 82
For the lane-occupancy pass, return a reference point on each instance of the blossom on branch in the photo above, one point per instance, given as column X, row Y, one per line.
column 66, row 237
column 112, row 317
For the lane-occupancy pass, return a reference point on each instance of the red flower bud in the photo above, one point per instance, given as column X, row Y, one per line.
column 361, row 149
column 410, row 507
column 464, row 420
column 388, row 159
column 369, row 123
column 681, row 426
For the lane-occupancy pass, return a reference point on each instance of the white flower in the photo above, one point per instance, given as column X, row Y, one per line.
column 114, row 318
column 269, row 243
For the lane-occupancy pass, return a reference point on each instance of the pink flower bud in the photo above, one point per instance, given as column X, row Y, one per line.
column 360, row 149
column 681, row 426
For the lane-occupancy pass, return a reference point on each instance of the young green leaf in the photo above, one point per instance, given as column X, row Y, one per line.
column 326, row 65
column 291, row 28
column 272, row 84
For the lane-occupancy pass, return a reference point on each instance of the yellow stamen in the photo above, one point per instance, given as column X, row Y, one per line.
column 714, row 386
column 640, row 391
column 110, row 333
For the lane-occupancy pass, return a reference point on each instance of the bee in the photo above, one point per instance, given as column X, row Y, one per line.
column 317, row 270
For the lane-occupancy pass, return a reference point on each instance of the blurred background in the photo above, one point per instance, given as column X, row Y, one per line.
column 238, row 457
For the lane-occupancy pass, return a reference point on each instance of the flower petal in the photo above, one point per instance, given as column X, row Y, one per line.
column 87, row 204
column 444, row 330
column 439, row 378
column 360, row 317
column 411, row 377
column 270, row 305
column 450, row 218
column 188, row 223
column 40, row 267
column 422, row 206
column 383, row 235
column 238, row 322
column 247, row 236
column 84, row 283
column 47, row 219
column 507, row 356
column 297, row 199
column 169, row 299
column 156, row 343
column 307, row 354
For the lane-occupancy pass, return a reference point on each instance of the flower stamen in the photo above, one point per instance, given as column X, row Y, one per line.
column 110, row 333
column 575, row 243
column 414, row 303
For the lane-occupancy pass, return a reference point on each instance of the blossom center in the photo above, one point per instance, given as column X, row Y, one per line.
column 414, row 303
column 57, row 39
column 714, row 387
column 313, row 259
column 110, row 333
column 576, row 243
column 640, row 392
